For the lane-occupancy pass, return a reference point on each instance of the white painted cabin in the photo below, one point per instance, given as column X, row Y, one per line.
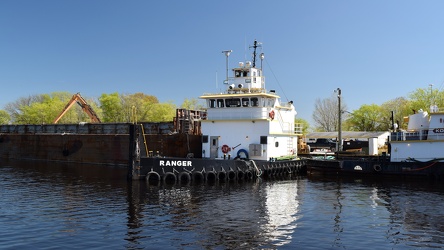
column 246, row 121
column 423, row 140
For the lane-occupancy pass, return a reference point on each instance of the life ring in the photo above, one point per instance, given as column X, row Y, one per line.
column 225, row 149
column 271, row 114
column 242, row 151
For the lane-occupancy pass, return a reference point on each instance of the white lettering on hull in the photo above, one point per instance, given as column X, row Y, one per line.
column 163, row 163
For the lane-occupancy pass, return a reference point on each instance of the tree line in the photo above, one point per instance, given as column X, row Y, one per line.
column 373, row 117
column 114, row 107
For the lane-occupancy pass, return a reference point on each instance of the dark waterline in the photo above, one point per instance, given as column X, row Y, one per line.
column 46, row 206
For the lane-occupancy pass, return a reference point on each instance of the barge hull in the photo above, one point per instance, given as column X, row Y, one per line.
column 103, row 144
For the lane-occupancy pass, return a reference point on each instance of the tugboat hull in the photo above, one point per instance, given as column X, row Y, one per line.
column 181, row 170
column 375, row 167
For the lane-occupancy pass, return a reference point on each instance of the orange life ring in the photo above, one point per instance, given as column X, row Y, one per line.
column 225, row 149
column 271, row 114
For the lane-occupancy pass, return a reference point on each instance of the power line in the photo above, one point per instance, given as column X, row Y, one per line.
column 277, row 81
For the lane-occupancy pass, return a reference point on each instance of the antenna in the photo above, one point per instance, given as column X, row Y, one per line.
column 262, row 58
column 227, row 54
column 255, row 45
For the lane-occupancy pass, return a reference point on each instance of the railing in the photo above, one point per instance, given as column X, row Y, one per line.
column 413, row 136
column 409, row 136
column 285, row 126
column 86, row 128
column 298, row 128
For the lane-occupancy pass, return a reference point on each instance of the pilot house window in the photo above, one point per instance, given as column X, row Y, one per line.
column 245, row 102
column 220, row 103
column 254, row 102
column 212, row 103
column 233, row 102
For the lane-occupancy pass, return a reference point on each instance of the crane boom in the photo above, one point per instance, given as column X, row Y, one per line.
column 77, row 98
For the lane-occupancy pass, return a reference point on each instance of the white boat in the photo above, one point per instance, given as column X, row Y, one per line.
column 247, row 132
column 247, row 121
column 422, row 141
column 417, row 151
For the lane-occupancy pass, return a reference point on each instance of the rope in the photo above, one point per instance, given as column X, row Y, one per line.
column 259, row 172
column 419, row 169
column 433, row 160
column 289, row 169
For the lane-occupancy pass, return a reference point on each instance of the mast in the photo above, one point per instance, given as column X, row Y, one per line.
column 255, row 45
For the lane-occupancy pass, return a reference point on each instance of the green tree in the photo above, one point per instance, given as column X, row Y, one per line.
column 127, row 108
column 41, row 109
column 75, row 114
column 400, row 107
column 15, row 109
column 161, row 112
column 112, row 107
column 366, row 118
column 421, row 98
column 424, row 98
column 304, row 123
column 137, row 105
column 192, row 104
column 5, row 118
column 44, row 108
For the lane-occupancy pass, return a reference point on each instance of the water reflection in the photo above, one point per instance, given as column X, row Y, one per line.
column 232, row 215
column 281, row 211
column 95, row 206
column 408, row 212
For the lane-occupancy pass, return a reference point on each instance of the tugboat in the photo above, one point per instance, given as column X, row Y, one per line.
column 247, row 133
column 415, row 152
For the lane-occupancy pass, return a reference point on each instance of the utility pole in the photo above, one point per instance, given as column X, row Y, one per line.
column 338, row 90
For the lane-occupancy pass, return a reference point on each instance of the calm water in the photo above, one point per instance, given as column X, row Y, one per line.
column 47, row 206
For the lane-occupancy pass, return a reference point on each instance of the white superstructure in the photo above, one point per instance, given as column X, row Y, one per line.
column 247, row 121
column 423, row 141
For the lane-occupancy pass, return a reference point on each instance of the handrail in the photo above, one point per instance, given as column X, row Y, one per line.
column 144, row 139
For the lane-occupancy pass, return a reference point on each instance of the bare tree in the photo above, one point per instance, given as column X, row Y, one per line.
column 15, row 108
column 326, row 112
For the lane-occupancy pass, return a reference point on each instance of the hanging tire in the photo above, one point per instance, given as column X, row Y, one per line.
column 153, row 178
column 377, row 167
column 197, row 177
column 169, row 178
column 231, row 175
column 222, row 176
column 184, row 178
column 211, row 176
column 240, row 175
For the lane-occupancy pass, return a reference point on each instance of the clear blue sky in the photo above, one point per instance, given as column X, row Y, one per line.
column 374, row 51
